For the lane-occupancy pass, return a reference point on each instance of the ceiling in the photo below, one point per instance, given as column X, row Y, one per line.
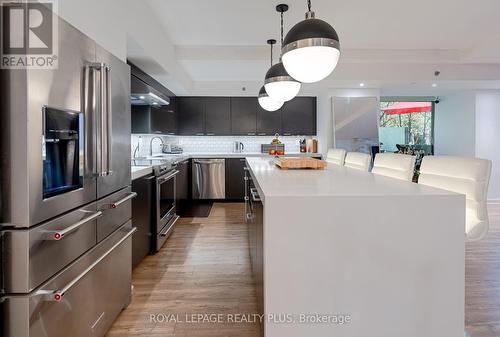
column 385, row 41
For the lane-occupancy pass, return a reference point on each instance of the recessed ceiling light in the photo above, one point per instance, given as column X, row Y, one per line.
column 434, row 85
column 361, row 84
column 142, row 97
column 155, row 103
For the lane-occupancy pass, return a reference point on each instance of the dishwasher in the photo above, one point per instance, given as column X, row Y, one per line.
column 209, row 179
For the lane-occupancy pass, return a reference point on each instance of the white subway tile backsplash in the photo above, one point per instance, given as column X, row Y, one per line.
column 211, row 144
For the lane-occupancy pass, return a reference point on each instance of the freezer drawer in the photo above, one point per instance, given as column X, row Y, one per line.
column 32, row 256
column 209, row 179
column 83, row 300
column 116, row 210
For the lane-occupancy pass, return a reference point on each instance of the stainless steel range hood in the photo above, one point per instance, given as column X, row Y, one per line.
column 143, row 94
column 148, row 99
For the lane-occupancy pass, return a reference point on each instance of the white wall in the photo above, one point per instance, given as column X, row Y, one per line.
column 100, row 20
column 454, row 128
column 488, row 136
column 130, row 30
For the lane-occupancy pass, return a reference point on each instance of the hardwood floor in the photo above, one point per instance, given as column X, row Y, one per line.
column 482, row 281
column 205, row 268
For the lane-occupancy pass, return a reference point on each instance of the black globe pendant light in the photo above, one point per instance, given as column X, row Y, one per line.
column 278, row 83
column 311, row 49
column 266, row 102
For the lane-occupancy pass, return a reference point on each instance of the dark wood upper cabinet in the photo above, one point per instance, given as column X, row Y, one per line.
column 217, row 116
column 140, row 119
column 239, row 116
column 163, row 119
column 190, row 116
column 268, row 122
column 299, row 116
column 244, row 116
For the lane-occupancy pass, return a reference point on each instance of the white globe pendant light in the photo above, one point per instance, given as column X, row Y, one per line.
column 311, row 49
column 265, row 101
column 278, row 83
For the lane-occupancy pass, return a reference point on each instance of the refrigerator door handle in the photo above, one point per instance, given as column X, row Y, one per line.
column 106, row 116
column 90, row 85
column 103, row 119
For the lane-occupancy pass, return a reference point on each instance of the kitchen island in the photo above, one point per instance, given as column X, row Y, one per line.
column 348, row 253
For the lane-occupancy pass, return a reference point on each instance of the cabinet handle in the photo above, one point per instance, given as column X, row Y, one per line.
column 251, row 134
column 287, row 134
column 200, row 134
column 210, row 134
column 171, row 133
column 115, row 204
column 262, row 134
column 58, row 235
column 156, row 131
column 58, row 294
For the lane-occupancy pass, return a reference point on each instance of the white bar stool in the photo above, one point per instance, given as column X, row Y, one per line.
column 394, row 165
column 357, row 160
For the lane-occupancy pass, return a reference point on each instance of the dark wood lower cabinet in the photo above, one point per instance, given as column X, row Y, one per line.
column 235, row 173
column 141, row 218
column 182, row 185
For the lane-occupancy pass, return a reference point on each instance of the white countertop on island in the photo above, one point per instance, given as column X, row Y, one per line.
column 387, row 253
column 332, row 181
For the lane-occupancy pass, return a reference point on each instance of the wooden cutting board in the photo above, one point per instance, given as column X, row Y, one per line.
column 286, row 163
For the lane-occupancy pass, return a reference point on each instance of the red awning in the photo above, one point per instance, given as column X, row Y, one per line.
column 402, row 108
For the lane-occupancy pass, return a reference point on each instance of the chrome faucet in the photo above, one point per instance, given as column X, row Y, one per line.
column 151, row 144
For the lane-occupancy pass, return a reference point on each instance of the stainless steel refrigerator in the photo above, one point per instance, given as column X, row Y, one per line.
column 65, row 192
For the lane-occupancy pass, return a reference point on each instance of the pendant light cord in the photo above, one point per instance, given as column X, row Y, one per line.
column 309, row 5
column 271, row 55
column 281, row 29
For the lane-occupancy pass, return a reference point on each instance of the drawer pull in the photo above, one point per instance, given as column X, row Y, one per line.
column 255, row 194
column 58, row 235
column 57, row 295
column 113, row 205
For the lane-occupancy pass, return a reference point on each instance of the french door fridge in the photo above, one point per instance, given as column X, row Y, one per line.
column 65, row 192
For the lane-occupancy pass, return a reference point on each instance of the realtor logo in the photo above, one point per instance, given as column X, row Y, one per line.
column 29, row 35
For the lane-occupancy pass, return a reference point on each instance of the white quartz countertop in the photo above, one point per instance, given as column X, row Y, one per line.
column 189, row 155
column 332, row 181
column 141, row 171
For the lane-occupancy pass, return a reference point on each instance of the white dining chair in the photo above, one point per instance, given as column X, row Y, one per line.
column 336, row 156
column 357, row 160
column 469, row 176
column 394, row 165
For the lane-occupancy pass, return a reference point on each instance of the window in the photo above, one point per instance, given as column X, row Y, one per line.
column 406, row 126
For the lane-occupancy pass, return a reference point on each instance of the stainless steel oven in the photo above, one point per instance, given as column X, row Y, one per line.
column 165, row 207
